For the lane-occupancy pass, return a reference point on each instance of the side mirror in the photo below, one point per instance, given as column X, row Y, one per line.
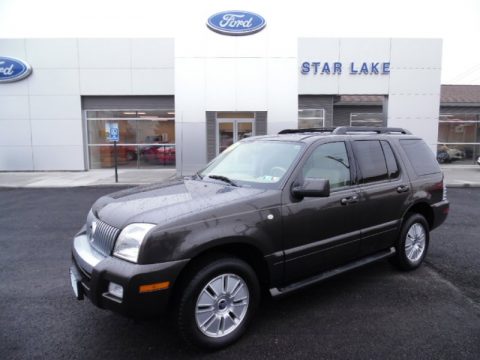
column 312, row 188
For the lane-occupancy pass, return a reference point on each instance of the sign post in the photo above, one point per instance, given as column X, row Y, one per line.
column 115, row 159
column 113, row 134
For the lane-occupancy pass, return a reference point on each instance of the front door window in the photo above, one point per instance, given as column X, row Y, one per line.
column 329, row 162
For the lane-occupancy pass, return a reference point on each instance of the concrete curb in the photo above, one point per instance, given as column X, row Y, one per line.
column 465, row 185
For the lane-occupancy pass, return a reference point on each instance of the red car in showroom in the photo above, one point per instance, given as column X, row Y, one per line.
column 161, row 154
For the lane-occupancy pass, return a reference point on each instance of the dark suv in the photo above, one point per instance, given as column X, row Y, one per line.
column 278, row 212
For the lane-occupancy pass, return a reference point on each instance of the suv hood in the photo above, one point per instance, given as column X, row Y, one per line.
column 166, row 203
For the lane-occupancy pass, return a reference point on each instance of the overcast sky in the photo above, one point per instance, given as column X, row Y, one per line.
column 456, row 22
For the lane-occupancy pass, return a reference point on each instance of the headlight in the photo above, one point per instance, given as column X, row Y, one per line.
column 129, row 241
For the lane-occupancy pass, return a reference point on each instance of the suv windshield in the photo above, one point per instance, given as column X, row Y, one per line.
column 254, row 163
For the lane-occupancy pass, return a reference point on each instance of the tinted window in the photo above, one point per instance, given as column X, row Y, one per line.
column 391, row 162
column 329, row 161
column 421, row 157
column 369, row 155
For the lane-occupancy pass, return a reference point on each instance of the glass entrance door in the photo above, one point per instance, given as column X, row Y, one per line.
column 233, row 130
column 226, row 135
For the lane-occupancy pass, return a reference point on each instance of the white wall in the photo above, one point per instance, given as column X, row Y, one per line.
column 40, row 117
column 414, row 96
column 216, row 72
column 413, row 85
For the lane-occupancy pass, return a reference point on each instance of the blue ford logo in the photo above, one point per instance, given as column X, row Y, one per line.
column 13, row 69
column 236, row 22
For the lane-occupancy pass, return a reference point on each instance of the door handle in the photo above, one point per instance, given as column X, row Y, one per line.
column 349, row 200
column 402, row 188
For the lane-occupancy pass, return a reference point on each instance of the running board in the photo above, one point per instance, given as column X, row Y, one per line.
column 277, row 292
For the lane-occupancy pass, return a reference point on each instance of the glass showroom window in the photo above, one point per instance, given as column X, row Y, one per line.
column 366, row 119
column 311, row 118
column 147, row 138
column 458, row 138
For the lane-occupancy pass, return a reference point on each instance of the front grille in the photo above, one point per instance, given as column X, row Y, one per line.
column 104, row 237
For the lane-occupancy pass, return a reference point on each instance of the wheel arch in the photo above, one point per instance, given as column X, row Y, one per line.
column 233, row 247
column 423, row 209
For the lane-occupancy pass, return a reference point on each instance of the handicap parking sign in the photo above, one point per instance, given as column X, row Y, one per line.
column 112, row 132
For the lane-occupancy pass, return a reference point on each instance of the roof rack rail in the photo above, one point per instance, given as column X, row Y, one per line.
column 308, row 130
column 341, row 130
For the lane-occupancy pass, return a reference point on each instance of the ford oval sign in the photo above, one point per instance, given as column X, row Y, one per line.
column 236, row 22
column 13, row 69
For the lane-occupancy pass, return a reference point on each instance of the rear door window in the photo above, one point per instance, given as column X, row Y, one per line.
column 371, row 161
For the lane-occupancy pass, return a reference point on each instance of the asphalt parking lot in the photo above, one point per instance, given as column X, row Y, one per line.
column 372, row 313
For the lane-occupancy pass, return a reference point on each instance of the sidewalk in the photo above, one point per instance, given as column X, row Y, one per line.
column 461, row 175
column 455, row 176
column 84, row 178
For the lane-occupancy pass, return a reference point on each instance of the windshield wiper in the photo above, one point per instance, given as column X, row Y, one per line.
column 223, row 178
column 197, row 174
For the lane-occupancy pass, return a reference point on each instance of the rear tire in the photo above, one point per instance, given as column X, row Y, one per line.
column 217, row 302
column 412, row 244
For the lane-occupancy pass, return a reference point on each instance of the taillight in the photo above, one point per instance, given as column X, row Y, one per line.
column 441, row 185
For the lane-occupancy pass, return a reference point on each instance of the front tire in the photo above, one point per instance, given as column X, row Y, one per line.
column 412, row 244
column 217, row 303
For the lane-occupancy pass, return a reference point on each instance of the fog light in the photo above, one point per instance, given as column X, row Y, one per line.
column 115, row 290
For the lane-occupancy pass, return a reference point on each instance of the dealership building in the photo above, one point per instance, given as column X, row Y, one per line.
column 179, row 102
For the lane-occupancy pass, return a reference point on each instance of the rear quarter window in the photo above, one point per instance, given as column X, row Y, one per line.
column 420, row 156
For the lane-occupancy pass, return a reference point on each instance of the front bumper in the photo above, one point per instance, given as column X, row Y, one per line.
column 94, row 272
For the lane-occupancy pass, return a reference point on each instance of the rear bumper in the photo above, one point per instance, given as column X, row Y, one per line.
column 440, row 213
column 94, row 273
